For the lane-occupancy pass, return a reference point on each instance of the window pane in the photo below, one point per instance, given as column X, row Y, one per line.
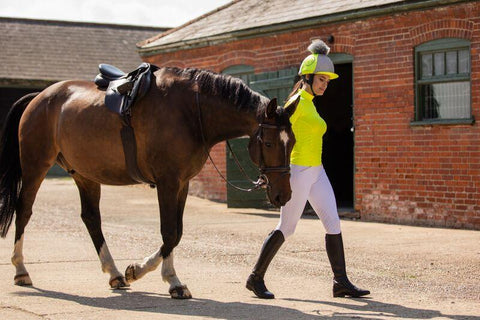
column 430, row 106
column 427, row 65
column 439, row 63
column 446, row 100
column 463, row 61
column 452, row 62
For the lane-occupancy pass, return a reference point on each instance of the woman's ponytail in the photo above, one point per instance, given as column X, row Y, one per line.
column 295, row 89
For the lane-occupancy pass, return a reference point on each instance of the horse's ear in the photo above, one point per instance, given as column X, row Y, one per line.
column 271, row 110
column 291, row 106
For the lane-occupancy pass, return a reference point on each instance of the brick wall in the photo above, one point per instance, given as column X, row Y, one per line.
column 208, row 182
column 425, row 175
column 428, row 175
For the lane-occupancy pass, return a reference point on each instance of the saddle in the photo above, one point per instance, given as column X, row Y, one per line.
column 122, row 91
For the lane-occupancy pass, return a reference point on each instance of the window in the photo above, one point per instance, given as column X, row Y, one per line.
column 443, row 81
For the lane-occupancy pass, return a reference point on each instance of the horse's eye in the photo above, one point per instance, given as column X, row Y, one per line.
column 268, row 144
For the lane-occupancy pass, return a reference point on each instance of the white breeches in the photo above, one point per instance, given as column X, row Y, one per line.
column 312, row 184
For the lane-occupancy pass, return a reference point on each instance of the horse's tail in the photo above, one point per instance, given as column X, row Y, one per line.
column 10, row 169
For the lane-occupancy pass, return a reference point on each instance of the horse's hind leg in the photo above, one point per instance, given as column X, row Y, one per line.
column 33, row 172
column 90, row 199
column 23, row 214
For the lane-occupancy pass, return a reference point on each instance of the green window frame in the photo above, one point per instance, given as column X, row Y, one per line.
column 241, row 71
column 443, row 83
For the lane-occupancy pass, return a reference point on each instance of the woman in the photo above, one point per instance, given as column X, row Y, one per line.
column 308, row 179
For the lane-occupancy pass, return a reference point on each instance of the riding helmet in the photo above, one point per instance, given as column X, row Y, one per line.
column 318, row 62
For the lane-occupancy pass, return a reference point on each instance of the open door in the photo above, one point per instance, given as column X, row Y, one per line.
column 336, row 108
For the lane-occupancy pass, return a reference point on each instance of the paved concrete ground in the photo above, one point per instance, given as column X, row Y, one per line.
column 413, row 272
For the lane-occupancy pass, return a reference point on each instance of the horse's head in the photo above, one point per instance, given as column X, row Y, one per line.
column 270, row 147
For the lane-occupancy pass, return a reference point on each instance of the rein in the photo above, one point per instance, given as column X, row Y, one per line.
column 263, row 180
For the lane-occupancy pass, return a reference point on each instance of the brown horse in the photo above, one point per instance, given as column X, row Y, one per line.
column 68, row 124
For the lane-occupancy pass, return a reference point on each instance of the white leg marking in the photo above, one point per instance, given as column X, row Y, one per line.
column 21, row 274
column 168, row 272
column 284, row 137
column 149, row 264
column 17, row 257
column 108, row 265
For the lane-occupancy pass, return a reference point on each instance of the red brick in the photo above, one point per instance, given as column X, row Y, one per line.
column 432, row 168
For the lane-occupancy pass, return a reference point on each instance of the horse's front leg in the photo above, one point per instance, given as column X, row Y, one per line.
column 177, row 289
column 172, row 204
column 135, row 271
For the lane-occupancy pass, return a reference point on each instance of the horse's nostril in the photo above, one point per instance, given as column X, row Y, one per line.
column 278, row 201
column 283, row 198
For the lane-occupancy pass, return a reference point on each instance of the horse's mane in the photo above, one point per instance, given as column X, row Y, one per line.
column 223, row 86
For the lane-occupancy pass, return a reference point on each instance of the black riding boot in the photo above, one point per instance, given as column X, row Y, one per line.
column 341, row 285
column 270, row 247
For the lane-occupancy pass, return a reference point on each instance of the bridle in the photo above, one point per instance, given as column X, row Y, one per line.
column 262, row 181
column 283, row 169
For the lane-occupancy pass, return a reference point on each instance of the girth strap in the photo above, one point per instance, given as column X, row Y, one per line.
column 130, row 150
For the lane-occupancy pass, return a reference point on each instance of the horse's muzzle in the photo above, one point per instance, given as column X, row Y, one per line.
column 279, row 199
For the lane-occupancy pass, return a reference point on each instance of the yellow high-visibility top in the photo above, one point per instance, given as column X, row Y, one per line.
column 309, row 128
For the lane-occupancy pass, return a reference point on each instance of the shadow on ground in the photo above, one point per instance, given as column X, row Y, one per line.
column 380, row 309
column 163, row 304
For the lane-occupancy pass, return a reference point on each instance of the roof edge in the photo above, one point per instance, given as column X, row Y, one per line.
column 6, row 82
column 82, row 23
column 288, row 26
column 152, row 39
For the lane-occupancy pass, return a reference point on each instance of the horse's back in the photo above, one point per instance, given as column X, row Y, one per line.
column 70, row 118
column 49, row 103
column 45, row 112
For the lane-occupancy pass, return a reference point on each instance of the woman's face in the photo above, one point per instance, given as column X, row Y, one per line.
column 320, row 83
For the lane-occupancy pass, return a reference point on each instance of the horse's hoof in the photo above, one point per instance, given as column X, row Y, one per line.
column 130, row 273
column 180, row 292
column 119, row 283
column 22, row 280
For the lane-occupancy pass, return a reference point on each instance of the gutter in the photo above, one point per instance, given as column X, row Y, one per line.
column 26, row 83
column 295, row 25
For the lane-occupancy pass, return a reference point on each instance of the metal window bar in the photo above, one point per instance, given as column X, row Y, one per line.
column 447, row 100
column 445, row 95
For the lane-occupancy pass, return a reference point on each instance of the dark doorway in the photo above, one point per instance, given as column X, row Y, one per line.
column 8, row 96
column 336, row 108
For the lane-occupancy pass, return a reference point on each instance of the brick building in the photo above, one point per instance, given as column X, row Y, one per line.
column 409, row 79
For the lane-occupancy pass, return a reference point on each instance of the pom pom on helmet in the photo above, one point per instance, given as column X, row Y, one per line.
column 318, row 47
